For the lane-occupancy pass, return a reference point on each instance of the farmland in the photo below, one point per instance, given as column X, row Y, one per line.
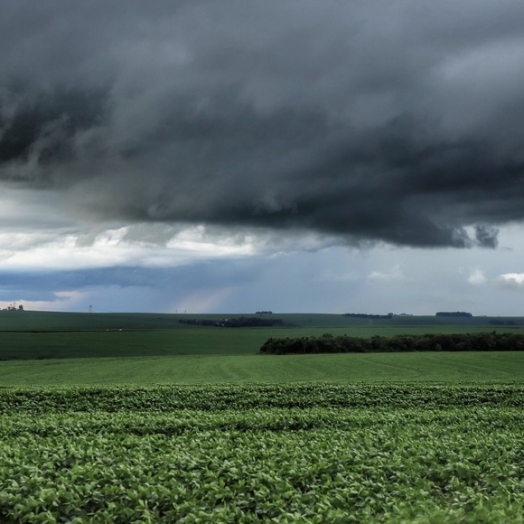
column 51, row 321
column 304, row 453
column 39, row 335
column 126, row 418
column 215, row 369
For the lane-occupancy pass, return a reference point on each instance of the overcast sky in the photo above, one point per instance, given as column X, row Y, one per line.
column 235, row 156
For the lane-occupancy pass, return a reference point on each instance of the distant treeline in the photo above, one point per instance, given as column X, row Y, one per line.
column 498, row 322
column 453, row 314
column 400, row 343
column 234, row 322
column 366, row 315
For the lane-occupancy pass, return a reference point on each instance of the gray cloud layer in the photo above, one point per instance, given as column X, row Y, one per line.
column 397, row 121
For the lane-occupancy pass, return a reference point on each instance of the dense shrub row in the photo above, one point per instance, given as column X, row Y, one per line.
column 366, row 315
column 499, row 322
column 453, row 314
column 430, row 342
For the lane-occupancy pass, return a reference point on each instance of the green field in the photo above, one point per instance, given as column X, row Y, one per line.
column 310, row 453
column 138, row 418
column 67, row 348
column 53, row 321
column 189, row 341
column 212, row 369
column 38, row 335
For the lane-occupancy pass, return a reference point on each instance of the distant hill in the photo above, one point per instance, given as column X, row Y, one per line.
column 66, row 321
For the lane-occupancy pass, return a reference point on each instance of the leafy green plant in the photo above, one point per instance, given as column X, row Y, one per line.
column 289, row 453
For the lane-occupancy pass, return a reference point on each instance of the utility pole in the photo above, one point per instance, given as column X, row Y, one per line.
column 90, row 309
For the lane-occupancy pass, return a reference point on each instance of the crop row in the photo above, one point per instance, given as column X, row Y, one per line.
column 276, row 420
column 319, row 465
column 213, row 398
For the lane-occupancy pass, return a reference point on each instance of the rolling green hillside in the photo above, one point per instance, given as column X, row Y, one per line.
column 69, row 348
column 186, row 341
column 41, row 335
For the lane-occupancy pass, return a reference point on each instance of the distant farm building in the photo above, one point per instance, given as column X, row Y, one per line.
column 14, row 308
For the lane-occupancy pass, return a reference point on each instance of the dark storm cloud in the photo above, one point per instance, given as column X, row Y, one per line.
column 176, row 281
column 41, row 128
column 486, row 236
column 397, row 121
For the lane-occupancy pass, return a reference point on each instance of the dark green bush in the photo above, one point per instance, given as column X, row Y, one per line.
column 328, row 343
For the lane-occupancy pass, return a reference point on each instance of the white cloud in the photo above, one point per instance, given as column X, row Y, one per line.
column 511, row 280
column 477, row 277
column 112, row 247
column 394, row 274
column 66, row 300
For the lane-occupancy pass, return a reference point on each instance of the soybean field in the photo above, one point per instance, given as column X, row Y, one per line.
column 141, row 418
column 271, row 453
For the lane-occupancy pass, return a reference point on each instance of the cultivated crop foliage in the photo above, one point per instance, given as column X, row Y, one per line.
column 302, row 453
